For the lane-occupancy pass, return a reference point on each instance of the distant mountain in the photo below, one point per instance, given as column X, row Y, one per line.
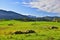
column 49, row 18
column 11, row 15
column 30, row 16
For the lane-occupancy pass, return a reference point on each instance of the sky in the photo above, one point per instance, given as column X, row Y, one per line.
column 32, row 7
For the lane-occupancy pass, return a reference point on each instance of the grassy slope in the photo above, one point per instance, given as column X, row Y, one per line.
column 41, row 28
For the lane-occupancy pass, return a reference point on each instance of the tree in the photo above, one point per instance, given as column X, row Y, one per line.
column 55, row 19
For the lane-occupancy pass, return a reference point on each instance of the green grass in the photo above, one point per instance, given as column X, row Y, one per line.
column 41, row 28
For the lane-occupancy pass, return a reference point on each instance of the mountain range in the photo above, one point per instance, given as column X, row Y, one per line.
column 13, row 15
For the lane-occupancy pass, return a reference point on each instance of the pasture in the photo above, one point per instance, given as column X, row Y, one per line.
column 43, row 30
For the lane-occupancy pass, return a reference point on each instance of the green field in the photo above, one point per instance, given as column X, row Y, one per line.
column 43, row 30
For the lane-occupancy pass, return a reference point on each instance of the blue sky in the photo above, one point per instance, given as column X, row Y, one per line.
column 28, row 7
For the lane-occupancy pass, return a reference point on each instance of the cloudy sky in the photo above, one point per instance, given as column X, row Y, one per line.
column 32, row 7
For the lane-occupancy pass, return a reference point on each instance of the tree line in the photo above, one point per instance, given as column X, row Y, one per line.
column 53, row 19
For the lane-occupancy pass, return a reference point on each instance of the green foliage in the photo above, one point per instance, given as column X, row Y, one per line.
column 41, row 28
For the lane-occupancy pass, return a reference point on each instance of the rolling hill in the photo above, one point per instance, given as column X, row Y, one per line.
column 10, row 15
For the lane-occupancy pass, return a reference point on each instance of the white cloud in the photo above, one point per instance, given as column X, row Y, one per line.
column 46, row 5
column 24, row 3
column 17, row 2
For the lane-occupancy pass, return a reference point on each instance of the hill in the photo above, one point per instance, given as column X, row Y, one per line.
column 17, row 16
column 10, row 15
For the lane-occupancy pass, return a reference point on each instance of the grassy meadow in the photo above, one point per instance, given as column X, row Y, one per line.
column 43, row 30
